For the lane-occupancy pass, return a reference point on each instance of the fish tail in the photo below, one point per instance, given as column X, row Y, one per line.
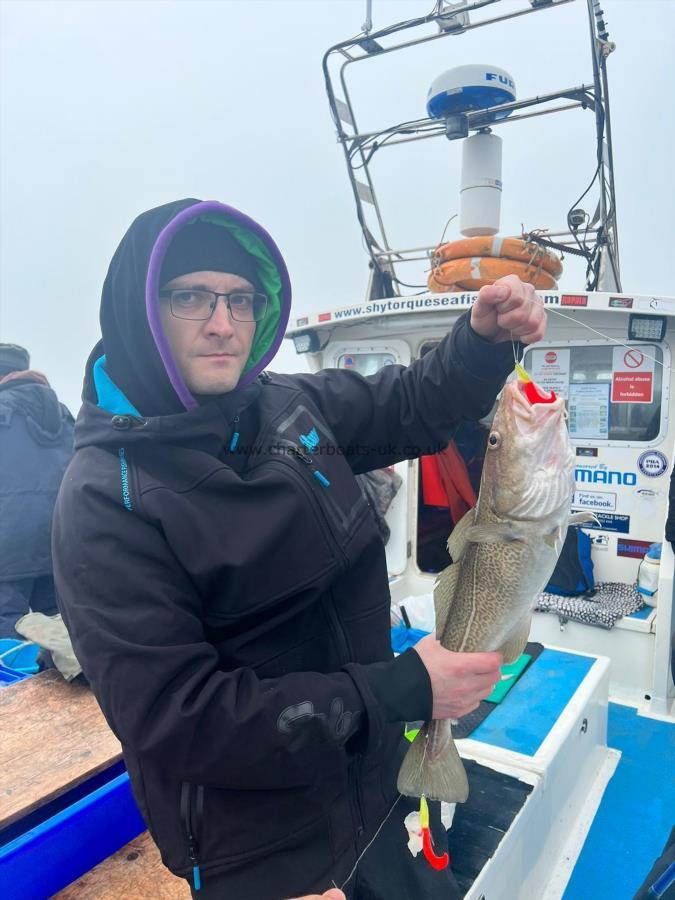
column 433, row 767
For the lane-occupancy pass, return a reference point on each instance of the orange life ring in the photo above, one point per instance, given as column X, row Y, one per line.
column 473, row 274
column 508, row 247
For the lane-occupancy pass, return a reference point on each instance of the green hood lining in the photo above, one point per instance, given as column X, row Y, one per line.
column 270, row 279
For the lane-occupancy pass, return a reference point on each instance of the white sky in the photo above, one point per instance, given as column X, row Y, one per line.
column 111, row 108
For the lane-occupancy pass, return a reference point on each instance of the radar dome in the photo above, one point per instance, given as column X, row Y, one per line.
column 470, row 88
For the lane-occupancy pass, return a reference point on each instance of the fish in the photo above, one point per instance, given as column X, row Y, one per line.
column 503, row 553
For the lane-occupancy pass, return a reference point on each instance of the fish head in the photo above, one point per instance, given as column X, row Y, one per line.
column 528, row 473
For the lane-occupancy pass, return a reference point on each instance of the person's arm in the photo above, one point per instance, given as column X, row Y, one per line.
column 134, row 618
column 405, row 412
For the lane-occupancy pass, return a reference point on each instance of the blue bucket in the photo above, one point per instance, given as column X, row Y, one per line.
column 19, row 658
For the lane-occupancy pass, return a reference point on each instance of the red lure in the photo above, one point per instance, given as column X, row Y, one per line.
column 436, row 862
column 534, row 395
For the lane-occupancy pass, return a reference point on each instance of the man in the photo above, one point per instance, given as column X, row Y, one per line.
column 36, row 444
column 223, row 580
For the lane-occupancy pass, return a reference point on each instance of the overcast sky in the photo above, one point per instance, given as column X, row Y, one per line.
column 111, row 108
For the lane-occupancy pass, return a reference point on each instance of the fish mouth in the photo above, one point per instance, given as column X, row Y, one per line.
column 534, row 417
column 530, row 474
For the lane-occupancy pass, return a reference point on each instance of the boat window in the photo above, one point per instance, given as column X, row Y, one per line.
column 611, row 393
column 365, row 363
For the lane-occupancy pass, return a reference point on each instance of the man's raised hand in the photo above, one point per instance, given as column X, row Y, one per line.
column 507, row 309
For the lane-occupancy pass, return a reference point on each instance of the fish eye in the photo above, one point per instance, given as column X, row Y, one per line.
column 494, row 441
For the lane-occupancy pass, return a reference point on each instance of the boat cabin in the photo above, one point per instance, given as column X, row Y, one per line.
column 609, row 356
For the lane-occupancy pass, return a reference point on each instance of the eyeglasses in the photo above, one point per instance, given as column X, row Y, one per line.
column 199, row 304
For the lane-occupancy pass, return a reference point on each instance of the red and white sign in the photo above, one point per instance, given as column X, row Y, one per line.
column 633, row 359
column 551, row 370
column 632, row 376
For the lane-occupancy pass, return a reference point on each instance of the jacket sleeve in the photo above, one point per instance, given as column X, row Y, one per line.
column 134, row 618
column 405, row 412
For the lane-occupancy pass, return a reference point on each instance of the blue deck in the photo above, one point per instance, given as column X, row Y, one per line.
column 522, row 721
column 637, row 810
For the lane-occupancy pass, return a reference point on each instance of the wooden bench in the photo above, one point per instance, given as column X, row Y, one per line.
column 136, row 872
column 54, row 738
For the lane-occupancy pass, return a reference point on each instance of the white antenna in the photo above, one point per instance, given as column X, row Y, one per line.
column 368, row 24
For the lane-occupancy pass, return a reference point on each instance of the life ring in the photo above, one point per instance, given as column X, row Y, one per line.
column 508, row 247
column 473, row 274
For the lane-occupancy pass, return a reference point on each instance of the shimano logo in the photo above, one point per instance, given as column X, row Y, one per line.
column 605, row 476
column 502, row 79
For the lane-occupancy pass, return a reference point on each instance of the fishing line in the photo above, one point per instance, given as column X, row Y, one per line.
column 361, row 855
column 607, row 337
column 602, row 334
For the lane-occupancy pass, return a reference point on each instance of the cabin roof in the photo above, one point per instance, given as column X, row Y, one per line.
column 455, row 302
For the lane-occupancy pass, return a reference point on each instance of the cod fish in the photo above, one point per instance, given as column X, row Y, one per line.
column 503, row 553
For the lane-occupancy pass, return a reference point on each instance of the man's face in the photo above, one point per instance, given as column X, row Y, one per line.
column 211, row 354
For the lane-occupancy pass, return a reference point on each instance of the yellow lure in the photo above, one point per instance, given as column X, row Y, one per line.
column 424, row 812
column 522, row 374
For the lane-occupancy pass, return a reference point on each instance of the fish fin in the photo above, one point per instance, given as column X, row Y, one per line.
column 580, row 518
column 457, row 540
column 444, row 593
column 555, row 539
column 502, row 533
column 515, row 643
column 433, row 766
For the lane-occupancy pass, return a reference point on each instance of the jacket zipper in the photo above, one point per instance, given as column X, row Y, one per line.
column 355, row 795
column 192, row 825
column 307, row 460
column 338, row 630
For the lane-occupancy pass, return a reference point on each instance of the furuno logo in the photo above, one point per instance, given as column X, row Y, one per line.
column 493, row 76
column 604, row 476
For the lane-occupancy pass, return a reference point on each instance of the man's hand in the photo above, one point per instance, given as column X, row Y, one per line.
column 509, row 308
column 332, row 894
column 459, row 681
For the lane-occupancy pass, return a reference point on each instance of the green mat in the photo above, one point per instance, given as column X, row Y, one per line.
column 510, row 675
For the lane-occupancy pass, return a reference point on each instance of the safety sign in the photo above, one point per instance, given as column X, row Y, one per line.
column 551, row 370
column 632, row 376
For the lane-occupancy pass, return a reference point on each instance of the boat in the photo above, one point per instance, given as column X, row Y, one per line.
column 589, row 727
column 572, row 794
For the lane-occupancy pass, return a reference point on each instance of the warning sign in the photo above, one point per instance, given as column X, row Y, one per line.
column 551, row 370
column 632, row 376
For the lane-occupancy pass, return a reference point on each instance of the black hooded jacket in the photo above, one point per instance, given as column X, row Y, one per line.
column 225, row 585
